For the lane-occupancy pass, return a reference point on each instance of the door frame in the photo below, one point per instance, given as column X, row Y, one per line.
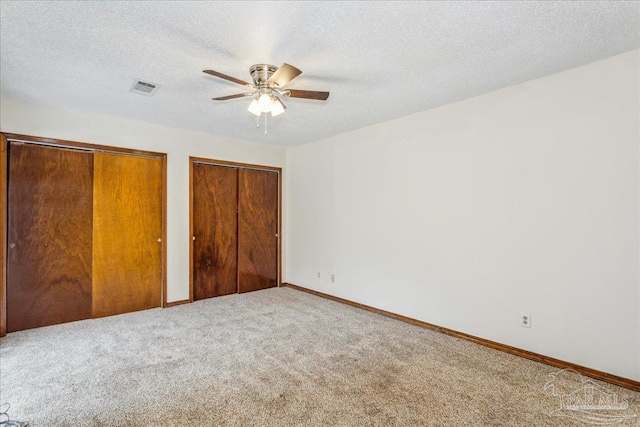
column 224, row 163
column 5, row 138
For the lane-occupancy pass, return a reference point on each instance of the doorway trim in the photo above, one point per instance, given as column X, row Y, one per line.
column 214, row 162
column 5, row 138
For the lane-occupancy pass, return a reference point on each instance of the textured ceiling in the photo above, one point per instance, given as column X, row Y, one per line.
column 379, row 60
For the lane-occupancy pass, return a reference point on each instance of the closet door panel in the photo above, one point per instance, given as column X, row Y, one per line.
column 49, row 234
column 215, row 198
column 257, row 230
column 4, row 176
column 127, row 249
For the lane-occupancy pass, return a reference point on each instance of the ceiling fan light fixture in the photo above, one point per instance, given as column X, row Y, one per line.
column 265, row 102
column 254, row 108
column 277, row 108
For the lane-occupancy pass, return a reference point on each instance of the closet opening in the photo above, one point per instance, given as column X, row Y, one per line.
column 83, row 231
column 235, row 223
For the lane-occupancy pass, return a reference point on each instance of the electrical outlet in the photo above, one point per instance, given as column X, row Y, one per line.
column 333, row 278
column 318, row 275
column 525, row 320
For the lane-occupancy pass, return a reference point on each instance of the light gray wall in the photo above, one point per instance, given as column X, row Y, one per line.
column 523, row 200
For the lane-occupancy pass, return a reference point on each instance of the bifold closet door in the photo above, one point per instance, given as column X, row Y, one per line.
column 215, row 198
column 257, row 230
column 127, row 233
column 49, row 236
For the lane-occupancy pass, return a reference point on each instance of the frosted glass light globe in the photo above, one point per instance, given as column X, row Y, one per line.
column 277, row 107
column 264, row 102
column 254, row 108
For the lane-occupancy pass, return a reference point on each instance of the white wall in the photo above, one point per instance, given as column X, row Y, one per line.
column 523, row 200
column 30, row 119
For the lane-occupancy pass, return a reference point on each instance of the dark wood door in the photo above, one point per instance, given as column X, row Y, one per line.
column 127, row 233
column 50, row 236
column 215, row 262
column 257, row 230
column 4, row 160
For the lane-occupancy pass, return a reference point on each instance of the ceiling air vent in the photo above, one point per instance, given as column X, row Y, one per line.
column 144, row 88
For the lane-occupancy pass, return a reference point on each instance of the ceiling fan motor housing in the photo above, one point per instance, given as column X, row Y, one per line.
column 261, row 73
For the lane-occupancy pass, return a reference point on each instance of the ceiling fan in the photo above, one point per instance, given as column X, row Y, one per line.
column 267, row 87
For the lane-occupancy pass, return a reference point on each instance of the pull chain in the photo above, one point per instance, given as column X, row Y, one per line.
column 257, row 121
column 265, row 123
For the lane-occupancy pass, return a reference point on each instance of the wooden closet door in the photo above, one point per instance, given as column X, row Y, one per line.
column 257, row 230
column 215, row 198
column 49, row 236
column 4, row 175
column 127, row 231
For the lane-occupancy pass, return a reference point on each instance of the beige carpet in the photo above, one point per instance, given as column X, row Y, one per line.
column 279, row 357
